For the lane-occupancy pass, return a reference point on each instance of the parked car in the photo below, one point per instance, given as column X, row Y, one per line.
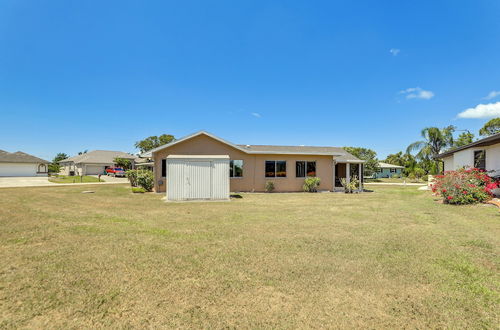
column 115, row 171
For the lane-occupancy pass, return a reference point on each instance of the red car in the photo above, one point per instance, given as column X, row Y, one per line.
column 115, row 171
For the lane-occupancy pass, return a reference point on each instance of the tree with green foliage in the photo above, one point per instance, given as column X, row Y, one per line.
column 123, row 163
column 463, row 139
column 368, row 155
column 491, row 127
column 154, row 141
column 395, row 159
column 54, row 167
column 435, row 141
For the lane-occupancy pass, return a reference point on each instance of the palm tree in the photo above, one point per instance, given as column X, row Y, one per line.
column 435, row 141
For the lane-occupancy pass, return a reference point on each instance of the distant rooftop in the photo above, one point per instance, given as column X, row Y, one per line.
column 98, row 157
column 19, row 157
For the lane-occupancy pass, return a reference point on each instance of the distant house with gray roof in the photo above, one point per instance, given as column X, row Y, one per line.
column 93, row 162
column 21, row 164
column 386, row 170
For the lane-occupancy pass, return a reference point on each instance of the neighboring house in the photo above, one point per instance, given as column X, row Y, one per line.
column 93, row 162
column 483, row 154
column 387, row 170
column 251, row 166
column 21, row 164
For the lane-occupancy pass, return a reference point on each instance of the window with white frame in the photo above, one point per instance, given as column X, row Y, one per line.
column 305, row 168
column 275, row 169
column 236, row 168
column 480, row 159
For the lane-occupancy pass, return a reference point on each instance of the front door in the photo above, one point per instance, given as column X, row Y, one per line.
column 340, row 172
column 198, row 180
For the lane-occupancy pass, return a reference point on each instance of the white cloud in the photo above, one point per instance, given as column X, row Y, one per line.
column 256, row 114
column 417, row 93
column 482, row 111
column 394, row 51
column 492, row 95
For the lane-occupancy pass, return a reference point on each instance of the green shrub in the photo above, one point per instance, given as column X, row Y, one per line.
column 464, row 186
column 425, row 178
column 350, row 186
column 132, row 177
column 396, row 176
column 145, row 179
column 311, row 184
column 139, row 190
column 269, row 186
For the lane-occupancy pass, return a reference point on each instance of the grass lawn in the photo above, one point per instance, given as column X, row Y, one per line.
column 73, row 179
column 390, row 258
column 395, row 180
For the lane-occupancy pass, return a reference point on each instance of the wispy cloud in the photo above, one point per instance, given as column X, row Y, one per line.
column 489, row 110
column 394, row 51
column 491, row 95
column 256, row 114
column 417, row 93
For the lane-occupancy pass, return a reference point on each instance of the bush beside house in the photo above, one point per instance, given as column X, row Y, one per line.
column 464, row 186
column 141, row 178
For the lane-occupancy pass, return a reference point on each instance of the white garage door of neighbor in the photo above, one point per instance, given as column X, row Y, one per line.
column 17, row 169
column 94, row 170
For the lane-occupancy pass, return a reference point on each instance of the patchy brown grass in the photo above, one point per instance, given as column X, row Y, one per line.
column 391, row 258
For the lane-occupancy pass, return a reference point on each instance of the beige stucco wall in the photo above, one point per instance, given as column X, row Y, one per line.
column 253, row 165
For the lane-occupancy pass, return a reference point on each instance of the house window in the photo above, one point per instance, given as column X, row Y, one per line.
column 275, row 168
column 379, row 170
column 480, row 159
column 303, row 168
column 393, row 170
column 164, row 168
column 235, row 168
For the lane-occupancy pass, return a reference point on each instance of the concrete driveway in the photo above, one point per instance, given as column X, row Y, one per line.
column 6, row 182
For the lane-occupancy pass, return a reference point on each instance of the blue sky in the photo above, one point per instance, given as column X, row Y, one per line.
column 78, row 75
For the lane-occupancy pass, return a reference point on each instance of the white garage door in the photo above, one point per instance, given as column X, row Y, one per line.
column 94, row 170
column 17, row 169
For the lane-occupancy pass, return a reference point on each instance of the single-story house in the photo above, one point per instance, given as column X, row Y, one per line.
column 93, row 162
column 21, row 164
column 386, row 170
column 251, row 166
column 483, row 154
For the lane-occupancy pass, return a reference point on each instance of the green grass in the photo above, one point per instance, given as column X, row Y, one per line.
column 393, row 258
column 395, row 180
column 73, row 179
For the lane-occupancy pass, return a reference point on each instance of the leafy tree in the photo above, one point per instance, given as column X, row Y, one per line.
column 395, row 159
column 123, row 163
column 154, row 141
column 367, row 155
column 490, row 128
column 54, row 167
column 463, row 139
column 435, row 141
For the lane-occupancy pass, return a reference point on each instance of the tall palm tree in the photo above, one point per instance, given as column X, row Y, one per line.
column 435, row 141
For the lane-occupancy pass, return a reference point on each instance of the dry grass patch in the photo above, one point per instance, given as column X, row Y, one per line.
column 391, row 258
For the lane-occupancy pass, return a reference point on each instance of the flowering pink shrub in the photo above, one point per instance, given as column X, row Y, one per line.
column 464, row 186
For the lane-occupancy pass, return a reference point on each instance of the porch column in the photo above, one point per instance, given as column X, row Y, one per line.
column 347, row 173
column 360, row 177
column 333, row 187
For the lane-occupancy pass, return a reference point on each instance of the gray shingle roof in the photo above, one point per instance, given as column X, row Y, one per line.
column 98, row 157
column 340, row 153
column 19, row 157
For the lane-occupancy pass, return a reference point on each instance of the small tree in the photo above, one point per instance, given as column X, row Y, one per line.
column 491, row 127
column 145, row 179
column 132, row 177
column 123, row 163
column 54, row 167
